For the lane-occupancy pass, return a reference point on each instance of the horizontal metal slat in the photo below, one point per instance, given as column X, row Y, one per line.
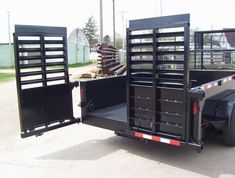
column 55, row 63
column 55, row 71
column 142, row 78
column 54, row 42
column 135, row 45
column 149, row 71
column 55, row 49
column 141, row 36
column 170, row 74
column 170, row 80
column 174, row 43
column 54, row 56
column 171, row 84
column 160, row 53
column 28, row 82
column 159, row 71
column 26, row 74
column 170, row 114
column 21, row 42
column 141, row 61
column 22, row 58
column 56, row 78
column 170, row 34
column 24, row 66
column 144, row 53
column 142, row 82
column 169, row 62
column 29, row 49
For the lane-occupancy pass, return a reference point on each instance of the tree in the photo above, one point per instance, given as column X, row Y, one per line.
column 90, row 30
column 107, row 39
column 119, row 41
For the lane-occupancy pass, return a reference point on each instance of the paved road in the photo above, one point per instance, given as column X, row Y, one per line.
column 85, row 151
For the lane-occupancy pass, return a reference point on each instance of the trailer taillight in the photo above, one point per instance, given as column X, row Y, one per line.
column 195, row 107
column 82, row 94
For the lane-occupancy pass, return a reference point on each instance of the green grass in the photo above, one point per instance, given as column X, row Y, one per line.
column 80, row 64
column 10, row 67
column 4, row 77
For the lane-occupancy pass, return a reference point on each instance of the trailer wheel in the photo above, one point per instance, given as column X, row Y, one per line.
column 229, row 131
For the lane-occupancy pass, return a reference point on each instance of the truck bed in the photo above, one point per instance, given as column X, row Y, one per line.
column 112, row 118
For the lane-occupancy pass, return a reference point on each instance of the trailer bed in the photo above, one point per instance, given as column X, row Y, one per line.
column 112, row 118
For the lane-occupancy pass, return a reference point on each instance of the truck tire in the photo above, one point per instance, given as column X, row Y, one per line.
column 229, row 131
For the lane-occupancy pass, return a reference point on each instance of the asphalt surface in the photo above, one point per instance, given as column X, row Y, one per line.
column 84, row 151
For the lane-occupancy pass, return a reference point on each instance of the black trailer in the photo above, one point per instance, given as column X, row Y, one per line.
column 160, row 99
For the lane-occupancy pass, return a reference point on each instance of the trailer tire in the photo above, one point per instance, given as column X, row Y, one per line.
column 229, row 131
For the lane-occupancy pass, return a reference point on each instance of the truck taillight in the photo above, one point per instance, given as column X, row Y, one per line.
column 195, row 107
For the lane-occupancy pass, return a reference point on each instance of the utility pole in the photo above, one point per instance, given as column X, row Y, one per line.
column 114, row 33
column 101, row 21
column 161, row 6
column 9, row 38
column 123, row 30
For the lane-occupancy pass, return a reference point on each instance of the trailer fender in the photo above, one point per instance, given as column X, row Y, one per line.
column 218, row 109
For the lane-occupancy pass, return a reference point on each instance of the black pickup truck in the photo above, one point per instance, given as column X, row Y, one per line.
column 162, row 98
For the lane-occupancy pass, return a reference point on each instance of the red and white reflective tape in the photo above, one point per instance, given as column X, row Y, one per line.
column 157, row 139
column 215, row 84
column 227, row 79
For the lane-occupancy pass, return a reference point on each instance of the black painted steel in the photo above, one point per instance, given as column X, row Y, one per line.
column 158, row 75
column 44, row 90
column 213, row 48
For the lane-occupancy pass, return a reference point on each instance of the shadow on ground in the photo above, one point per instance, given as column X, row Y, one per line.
column 214, row 160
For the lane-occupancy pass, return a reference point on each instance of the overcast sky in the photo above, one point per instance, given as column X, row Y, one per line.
column 205, row 14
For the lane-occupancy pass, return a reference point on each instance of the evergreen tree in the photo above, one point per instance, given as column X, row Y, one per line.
column 90, row 30
column 119, row 41
column 107, row 39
